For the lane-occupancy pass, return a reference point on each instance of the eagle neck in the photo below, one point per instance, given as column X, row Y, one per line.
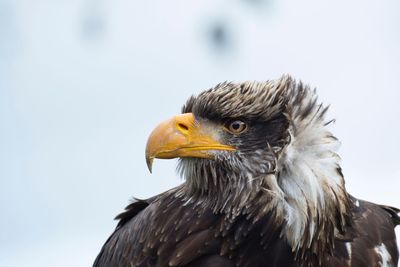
column 215, row 188
column 315, row 205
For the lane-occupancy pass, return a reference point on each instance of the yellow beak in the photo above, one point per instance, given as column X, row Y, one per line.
column 181, row 136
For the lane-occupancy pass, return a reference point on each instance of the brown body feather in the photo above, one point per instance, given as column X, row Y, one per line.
column 163, row 231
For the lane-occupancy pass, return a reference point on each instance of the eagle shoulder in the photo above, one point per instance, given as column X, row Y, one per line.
column 370, row 240
column 130, row 212
column 163, row 231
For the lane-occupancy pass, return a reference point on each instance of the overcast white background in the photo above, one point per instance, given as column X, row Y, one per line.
column 83, row 83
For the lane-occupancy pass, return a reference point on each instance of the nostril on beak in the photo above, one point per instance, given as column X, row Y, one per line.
column 184, row 123
column 183, row 127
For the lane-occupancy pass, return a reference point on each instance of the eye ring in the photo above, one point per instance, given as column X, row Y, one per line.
column 236, row 126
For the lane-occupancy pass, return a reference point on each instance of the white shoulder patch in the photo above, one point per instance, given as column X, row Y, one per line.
column 385, row 256
column 348, row 247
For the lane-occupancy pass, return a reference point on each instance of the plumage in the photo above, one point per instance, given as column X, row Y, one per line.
column 263, row 187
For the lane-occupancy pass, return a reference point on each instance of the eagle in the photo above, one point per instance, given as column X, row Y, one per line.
column 262, row 187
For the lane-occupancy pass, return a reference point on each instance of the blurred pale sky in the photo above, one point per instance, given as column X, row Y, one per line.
column 83, row 82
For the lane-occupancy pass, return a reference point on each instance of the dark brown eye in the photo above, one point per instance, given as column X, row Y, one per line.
column 236, row 126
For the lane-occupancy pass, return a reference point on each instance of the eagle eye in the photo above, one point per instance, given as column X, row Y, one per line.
column 236, row 126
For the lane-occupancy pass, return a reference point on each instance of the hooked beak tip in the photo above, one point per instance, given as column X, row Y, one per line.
column 149, row 162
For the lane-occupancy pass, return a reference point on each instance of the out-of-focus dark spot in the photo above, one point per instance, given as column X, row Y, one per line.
column 220, row 37
column 257, row 2
column 9, row 32
column 93, row 26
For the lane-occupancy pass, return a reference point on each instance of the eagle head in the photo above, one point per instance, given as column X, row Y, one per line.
column 258, row 147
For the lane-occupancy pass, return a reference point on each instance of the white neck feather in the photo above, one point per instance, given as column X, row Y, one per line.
column 311, row 182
